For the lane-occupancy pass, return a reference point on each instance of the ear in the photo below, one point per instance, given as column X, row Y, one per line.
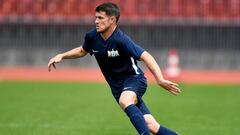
column 112, row 19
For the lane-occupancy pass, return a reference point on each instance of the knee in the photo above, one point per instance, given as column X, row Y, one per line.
column 127, row 98
column 124, row 103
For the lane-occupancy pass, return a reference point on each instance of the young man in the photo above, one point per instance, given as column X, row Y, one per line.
column 117, row 57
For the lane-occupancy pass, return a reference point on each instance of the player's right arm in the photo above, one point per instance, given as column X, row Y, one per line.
column 156, row 71
column 72, row 54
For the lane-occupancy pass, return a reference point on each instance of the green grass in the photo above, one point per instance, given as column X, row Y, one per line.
column 41, row 108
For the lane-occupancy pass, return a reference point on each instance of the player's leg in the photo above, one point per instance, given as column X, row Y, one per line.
column 127, row 101
column 127, row 98
column 152, row 124
column 154, row 127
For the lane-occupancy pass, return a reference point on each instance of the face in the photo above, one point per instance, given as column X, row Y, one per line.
column 103, row 21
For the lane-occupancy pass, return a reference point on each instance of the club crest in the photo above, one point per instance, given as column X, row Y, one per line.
column 113, row 53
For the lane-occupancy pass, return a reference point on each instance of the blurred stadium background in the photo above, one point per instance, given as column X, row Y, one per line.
column 204, row 34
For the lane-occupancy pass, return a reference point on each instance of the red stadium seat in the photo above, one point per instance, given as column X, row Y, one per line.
column 164, row 8
column 2, row 15
column 83, row 8
column 52, row 7
column 7, row 7
column 39, row 10
column 23, row 7
column 190, row 8
column 69, row 10
column 205, row 8
column 234, row 9
column 175, row 8
column 46, row 10
column 128, row 7
column 8, row 10
column 143, row 8
column 219, row 8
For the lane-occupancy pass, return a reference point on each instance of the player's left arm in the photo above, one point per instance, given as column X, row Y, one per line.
column 156, row 71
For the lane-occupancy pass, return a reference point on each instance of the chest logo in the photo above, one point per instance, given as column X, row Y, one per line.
column 113, row 53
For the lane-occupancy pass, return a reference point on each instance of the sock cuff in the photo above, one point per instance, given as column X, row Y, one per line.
column 131, row 110
column 165, row 131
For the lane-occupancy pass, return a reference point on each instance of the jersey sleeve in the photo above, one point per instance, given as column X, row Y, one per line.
column 87, row 44
column 131, row 48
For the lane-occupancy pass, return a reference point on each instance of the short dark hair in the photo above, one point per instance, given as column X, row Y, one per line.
column 111, row 9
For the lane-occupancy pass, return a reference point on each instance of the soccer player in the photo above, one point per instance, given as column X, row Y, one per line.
column 117, row 57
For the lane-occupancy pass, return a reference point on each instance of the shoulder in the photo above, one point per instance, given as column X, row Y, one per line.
column 120, row 36
column 91, row 34
column 120, row 33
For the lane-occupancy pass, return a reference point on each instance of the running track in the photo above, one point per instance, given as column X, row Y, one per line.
column 94, row 75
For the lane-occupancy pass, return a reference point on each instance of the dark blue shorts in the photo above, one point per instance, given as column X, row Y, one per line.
column 135, row 83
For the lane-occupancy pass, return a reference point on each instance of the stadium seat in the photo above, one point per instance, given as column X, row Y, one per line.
column 128, row 10
column 23, row 8
column 190, row 8
column 219, row 8
column 175, row 8
column 45, row 10
column 234, row 9
column 7, row 7
column 205, row 8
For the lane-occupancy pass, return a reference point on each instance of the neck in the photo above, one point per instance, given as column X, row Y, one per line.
column 108, row 32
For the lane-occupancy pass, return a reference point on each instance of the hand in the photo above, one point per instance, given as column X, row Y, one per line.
column 170, row 86
column 56, row 59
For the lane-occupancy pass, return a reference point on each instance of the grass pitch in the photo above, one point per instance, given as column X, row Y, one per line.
column 41, row 108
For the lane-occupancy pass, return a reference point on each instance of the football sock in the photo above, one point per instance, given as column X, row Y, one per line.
column 165, row 131
column 137, row 119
